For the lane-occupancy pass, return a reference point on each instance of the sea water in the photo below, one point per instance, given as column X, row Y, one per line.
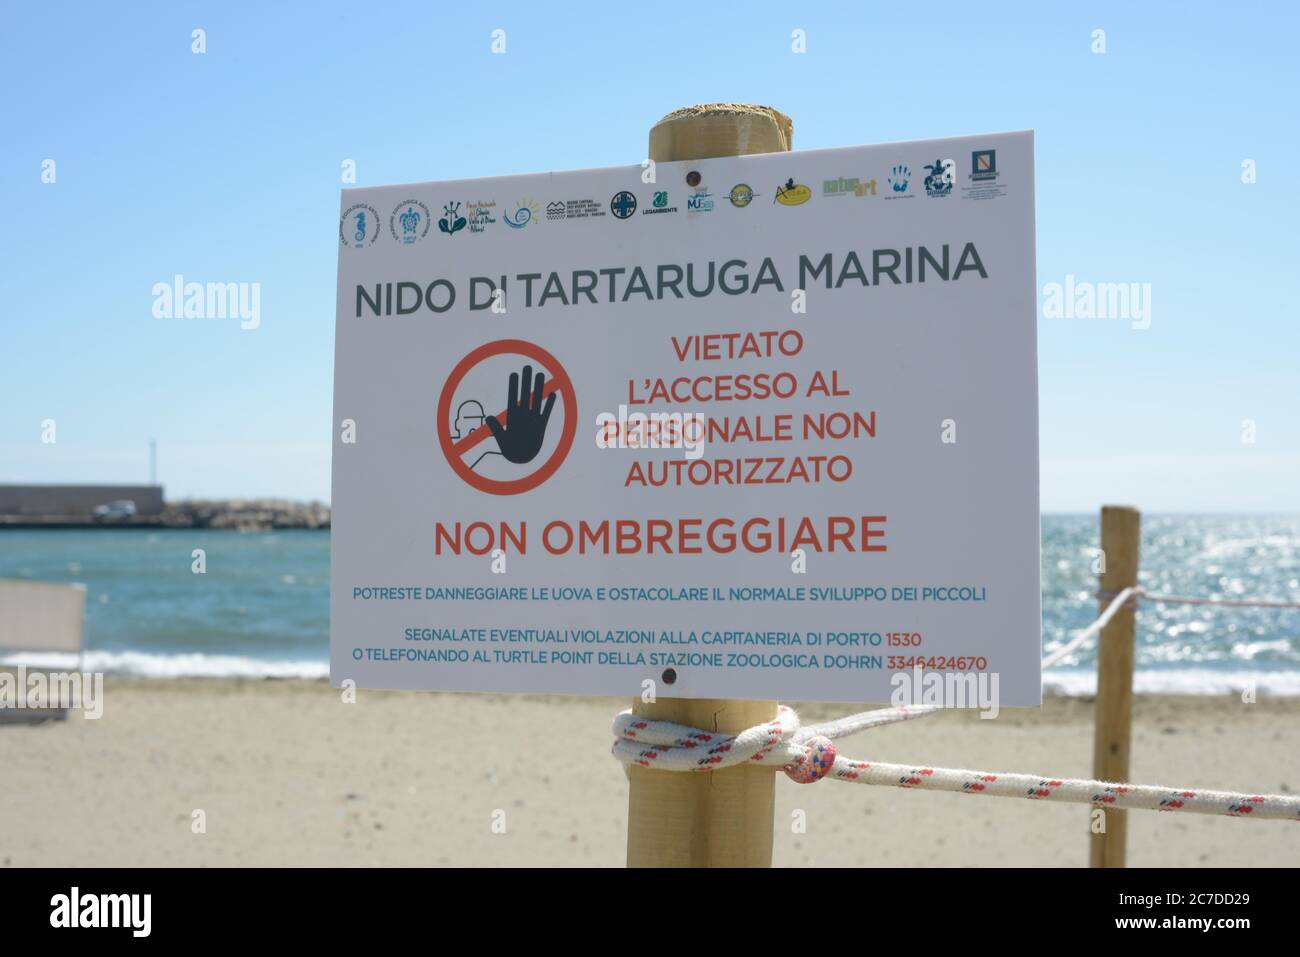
column 262, row 606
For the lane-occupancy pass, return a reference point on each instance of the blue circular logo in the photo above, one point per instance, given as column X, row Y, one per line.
column 623, row 204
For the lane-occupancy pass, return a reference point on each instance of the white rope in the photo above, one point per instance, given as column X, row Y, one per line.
column 807, row 755
column 1136, row 592
column 1111, row 610
column 677, row 747
column 1230, row 602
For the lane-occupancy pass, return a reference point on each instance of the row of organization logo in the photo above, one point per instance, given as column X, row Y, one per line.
column 940, row 180
column 411, row 220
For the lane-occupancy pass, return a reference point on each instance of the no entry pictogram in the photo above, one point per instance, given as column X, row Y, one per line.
column 458, row 450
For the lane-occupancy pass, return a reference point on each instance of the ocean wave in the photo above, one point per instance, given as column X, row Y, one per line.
column 144, row 664
column 1188, row 681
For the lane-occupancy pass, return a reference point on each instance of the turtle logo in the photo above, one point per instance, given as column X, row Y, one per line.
column 940, row 177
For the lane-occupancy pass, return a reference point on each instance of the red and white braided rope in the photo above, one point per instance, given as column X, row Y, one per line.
column 780, row 742
column 806, row 754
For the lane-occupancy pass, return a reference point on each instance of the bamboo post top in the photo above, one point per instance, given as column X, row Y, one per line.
column 720, row 129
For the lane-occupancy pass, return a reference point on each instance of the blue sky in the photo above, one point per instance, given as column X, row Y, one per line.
column 225, row 166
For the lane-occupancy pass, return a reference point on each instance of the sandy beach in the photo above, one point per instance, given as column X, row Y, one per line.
column 286, row 773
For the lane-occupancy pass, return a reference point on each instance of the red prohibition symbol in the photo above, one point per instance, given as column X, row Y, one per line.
column 456, row 450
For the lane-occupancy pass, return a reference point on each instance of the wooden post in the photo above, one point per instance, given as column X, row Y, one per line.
column 1121, row 528
column 724, row 818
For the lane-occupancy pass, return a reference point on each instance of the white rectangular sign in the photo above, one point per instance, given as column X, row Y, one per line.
column 755, row 427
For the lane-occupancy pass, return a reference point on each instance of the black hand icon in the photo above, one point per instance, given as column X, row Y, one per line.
column 520, row 439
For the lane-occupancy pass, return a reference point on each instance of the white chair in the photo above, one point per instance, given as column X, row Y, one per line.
column 41, row 620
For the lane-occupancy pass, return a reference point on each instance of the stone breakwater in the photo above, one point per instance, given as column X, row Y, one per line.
column 245, row 514
column 241, row 514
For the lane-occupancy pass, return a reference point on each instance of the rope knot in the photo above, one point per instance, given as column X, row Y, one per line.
column 815, row 762
column 805, row 753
